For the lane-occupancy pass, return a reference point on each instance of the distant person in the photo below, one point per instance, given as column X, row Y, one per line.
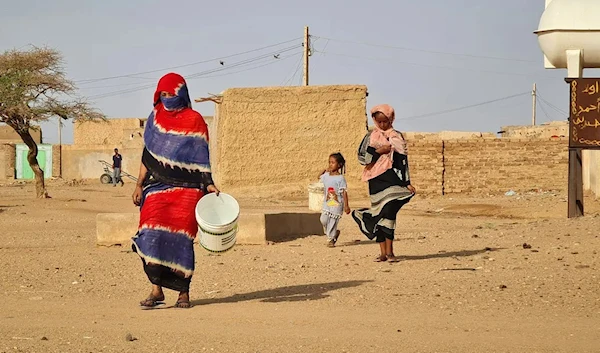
column 117, row 162
column 336, row 197
column 167, row 193
column 383, row 152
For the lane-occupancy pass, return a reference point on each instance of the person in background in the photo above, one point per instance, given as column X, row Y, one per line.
column 167, row 193
column 117, row 162
column 335, row 202
column 383, row 152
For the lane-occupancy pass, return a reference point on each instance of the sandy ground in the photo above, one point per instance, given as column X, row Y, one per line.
column 466, row 283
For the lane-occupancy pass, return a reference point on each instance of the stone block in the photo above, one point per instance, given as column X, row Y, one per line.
column 258, row 228
column 116, row 228
column 280, row 227
column 251, row 229
column 254, row 228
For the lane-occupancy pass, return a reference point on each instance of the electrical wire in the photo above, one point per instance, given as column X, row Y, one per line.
column 204, row 74
column 200, row 74
column 426, row 51
column 291, row 78
column 432, row 66
column 543, row 109
column 85, row 81
column 551, row 105
column 244, row 62
column 255, row 67
column 463, row 107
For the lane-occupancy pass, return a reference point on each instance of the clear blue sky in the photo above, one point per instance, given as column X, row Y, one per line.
column 407, row 65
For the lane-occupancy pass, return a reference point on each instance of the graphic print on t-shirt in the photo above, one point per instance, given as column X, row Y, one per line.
column 332, row 198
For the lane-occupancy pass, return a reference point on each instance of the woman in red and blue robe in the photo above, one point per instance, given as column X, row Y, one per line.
column 175, row 173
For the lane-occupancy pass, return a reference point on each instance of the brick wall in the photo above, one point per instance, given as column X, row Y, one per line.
column 280, row 137
column 425, row 160
column 498, row 165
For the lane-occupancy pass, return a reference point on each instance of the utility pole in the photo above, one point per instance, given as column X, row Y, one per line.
column 59, row 131
column 306, row 55
column 533, row 102
column 59, row 147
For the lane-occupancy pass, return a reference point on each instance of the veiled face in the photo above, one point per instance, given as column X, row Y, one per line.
column 166, row 94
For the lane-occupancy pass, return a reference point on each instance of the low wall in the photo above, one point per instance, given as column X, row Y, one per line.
column 498, row 165
column 7, row 161
column 56, row 161
column 284, row 135
column 82, row 162
column 8, row 135
column 591, row 171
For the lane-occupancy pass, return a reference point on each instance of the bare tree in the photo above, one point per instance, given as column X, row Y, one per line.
column 33, row 89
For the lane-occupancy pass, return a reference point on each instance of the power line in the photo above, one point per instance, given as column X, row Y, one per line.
column 291, row 78
column 543, row 109
column 428, row 51
column 552, row 105
column 112, row 86
column 185, row 65
column 562, row 115
column 432, row 66
column 464, row 107
column 207, row 73
column 271, row 55
column 199, row 74
column 255, row 67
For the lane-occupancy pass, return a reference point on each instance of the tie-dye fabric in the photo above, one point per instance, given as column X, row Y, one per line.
column 176, row 138
column 177, row 158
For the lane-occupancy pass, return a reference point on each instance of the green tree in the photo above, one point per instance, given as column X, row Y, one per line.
column 34, row 89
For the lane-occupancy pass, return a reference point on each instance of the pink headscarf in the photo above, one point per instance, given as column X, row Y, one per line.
column 381, row 138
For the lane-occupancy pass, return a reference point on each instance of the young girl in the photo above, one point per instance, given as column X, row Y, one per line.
column 336, row 197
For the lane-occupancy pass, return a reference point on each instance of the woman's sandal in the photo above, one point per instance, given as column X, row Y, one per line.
column 183, row 304
column 151, row 302
column 392, row 258
column 381, row 258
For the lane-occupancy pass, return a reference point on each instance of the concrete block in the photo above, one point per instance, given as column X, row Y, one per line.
column 258, row 228
column 280, row 227
column 116, row 228
column 251, row 229
column 254, row 228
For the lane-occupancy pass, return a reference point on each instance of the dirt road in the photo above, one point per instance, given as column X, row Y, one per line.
column 490, row 274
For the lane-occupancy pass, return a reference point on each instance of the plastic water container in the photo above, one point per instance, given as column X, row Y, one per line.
column 315, row 196
column 217, row 218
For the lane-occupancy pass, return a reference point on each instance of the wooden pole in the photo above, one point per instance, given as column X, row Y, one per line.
column 575, row 207
column 534, row 104
column 575, row 189
column 306, row 55
column 59, row 147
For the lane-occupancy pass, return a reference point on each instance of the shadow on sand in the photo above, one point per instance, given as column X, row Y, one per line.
column 439, row 255
column 285, row 294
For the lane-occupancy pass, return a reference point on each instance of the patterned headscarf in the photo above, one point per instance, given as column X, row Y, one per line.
column 391, row 136
column 176, row 136
column 174, row 84
column 379, row 138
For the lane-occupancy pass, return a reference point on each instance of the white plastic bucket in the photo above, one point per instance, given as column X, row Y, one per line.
column 217, row 218
column 218, row 242
column 315, row 196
